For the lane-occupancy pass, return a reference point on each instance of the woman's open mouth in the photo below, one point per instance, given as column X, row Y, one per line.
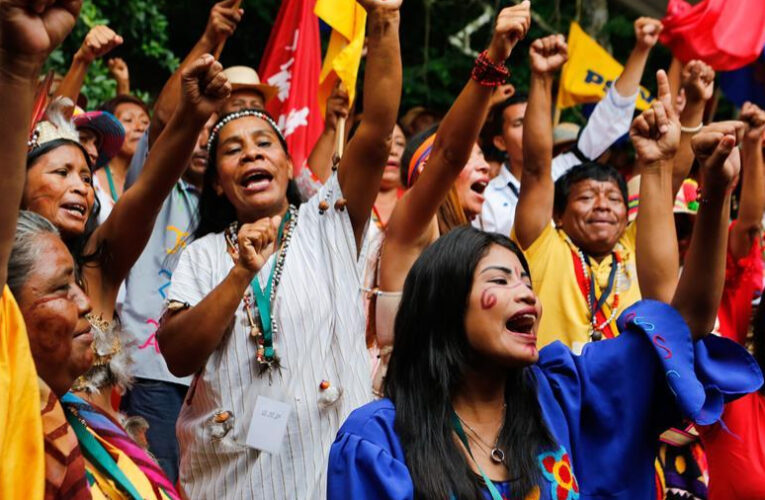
column 256, row 181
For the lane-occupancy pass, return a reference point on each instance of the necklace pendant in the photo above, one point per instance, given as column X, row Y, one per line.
column 497, row 455
column 596, row 335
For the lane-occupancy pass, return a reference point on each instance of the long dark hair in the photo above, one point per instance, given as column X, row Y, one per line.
column 430, row 358
column 216, row 212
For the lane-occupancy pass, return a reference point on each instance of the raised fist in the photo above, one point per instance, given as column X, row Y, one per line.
column 223, row 20
column 656, row 132
column 698, row 80
column 337, row 106
column 647, row 31
column 548, row 54
column 31, row 29
column 511, row 27
column 99, row 41
column 502, row 93
column 754, row 118
column 118, row 69
column 257, row 242
column 370, row 5
column 713, row 147
column 204, row 85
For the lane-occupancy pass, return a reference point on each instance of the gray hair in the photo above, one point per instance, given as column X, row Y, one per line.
column 25, row 253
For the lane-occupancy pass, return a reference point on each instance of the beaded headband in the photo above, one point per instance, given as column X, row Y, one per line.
column 56, row 127
column 242, row 114
column 421, row 154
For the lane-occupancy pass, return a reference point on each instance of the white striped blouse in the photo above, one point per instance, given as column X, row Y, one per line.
column 318, row 307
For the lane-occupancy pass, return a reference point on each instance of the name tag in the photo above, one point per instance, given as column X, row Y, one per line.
column 268, row 425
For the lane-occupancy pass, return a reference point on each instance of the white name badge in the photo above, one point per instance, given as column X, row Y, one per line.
column 268, row 425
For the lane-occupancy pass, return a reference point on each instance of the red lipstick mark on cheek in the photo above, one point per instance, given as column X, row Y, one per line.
column 488, row 299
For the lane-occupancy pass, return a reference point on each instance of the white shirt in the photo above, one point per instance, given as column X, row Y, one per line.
column 610, row 120
column 318, row 307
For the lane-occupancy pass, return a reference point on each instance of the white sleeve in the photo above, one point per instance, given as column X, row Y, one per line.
column 190, row 282
column 610, row 120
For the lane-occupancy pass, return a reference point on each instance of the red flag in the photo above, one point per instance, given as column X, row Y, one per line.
column 725, row 34
column 292, row 62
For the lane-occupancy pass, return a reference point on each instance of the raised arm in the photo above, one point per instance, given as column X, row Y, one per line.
column 99, row 41
column 320, row 159
column 223, row 20
column 30, row 31
column 118, row 70
column 455, row 139
column 128, row 227
column 362, row 164
column 535, row 201
column 656, row 136
column 647, row 32
column 700, row 287
column 748, row 227
column 697, row 82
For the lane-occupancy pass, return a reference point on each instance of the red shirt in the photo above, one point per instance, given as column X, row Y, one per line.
column 737, row 458
column 743, row 280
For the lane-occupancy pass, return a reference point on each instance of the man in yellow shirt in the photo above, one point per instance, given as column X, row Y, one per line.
column 30, row 31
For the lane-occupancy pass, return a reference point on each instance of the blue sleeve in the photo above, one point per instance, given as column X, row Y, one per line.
column 138, row 161
column 609, row 405
column 359, row 468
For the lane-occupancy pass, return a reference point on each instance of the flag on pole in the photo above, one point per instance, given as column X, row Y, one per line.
column 348, row 22
column 589, row 72
column 291, row 63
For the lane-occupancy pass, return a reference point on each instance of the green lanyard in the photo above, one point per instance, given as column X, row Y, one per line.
column 493, row 491
column 99, row 457
column 109, row 178
column 263, row 299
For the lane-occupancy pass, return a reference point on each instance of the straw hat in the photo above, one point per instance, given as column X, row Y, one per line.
column 244, row 77
column 565, row 132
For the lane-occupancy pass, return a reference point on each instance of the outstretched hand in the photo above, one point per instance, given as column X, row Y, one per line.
column 204, row 86
column 714, row 147
column 511, row 27
column 31, row 29
column 656, row 132
column 548, row 54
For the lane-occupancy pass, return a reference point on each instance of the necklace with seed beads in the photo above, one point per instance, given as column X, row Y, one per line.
column 265, row 328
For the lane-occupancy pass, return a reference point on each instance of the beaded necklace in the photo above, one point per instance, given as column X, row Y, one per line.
column 265, row 328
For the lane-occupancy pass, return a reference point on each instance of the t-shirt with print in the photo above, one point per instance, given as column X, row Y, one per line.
column 566, row 312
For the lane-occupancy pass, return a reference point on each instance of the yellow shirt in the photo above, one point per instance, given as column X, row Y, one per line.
column 566, row 312
column 22, row 466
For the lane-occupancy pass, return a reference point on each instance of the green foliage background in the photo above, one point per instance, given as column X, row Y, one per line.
column 158, row 33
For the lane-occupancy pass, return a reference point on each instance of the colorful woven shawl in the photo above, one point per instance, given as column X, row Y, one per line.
column 113, row 433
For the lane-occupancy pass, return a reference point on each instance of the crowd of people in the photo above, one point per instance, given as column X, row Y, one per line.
column 476, row 305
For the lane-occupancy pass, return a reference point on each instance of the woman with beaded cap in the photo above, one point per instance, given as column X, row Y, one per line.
column 265, row 306
column 59, row 186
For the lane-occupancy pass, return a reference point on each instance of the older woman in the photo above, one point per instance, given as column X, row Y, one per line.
column 41, row 275
column 59, row 186
column 265, row 305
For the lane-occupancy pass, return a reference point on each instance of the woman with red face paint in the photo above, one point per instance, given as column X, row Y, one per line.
column 474, row 410
column 59, row 187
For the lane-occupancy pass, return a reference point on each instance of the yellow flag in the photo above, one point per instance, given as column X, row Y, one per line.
column 348, row 21
column 589, row 71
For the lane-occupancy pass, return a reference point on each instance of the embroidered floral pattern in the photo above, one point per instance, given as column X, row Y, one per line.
column 556, row 468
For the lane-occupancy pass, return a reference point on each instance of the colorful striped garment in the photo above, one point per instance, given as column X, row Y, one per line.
column 110, row 434
column 64, row 465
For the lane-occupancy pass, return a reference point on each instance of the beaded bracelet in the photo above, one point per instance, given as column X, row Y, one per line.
column 488, row 73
